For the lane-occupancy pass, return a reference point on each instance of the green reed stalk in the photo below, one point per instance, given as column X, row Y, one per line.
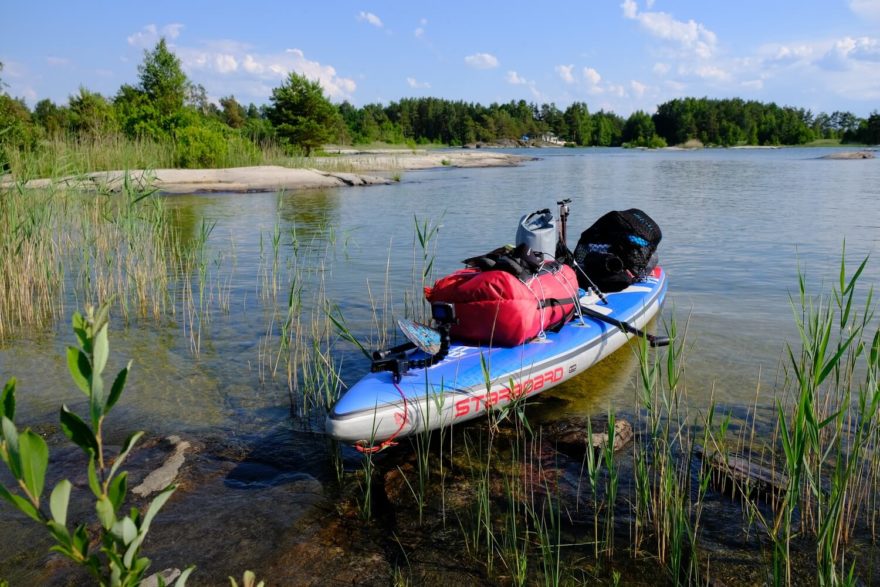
column 611, row 482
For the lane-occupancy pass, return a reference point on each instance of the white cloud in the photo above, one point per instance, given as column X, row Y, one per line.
column 638, row 88
column 235, row 63
column 564, row 72
column 57, row 61
column 516, row 79
column 848, row 53
column 224, row 63
column 414, row 83
column 711, row 72
column 754, row 84
column 150, row 34
column 661, row 68
column 690, row 36
column 861, row 49
column 482, row 61
column 172, row 31
column 370, row 18
column 866, row 8
column 420, row 30
column 616, row 90
column 592, row 76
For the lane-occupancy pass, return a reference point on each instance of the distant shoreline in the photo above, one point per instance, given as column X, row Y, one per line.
column 268, row 178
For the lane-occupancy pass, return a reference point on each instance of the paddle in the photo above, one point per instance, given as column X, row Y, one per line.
column 654, row 341
column 419, row 336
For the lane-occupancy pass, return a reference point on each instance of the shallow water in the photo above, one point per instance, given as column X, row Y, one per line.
column 736, row 224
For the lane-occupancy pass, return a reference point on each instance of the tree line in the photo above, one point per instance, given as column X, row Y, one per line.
column 164, row 106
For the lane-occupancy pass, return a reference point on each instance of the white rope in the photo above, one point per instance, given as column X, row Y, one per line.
column 541, row 335
column 575, row 297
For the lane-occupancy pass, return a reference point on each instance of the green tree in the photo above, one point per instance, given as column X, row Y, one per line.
column 869, row 129
column 17, row 131
column 303, row 117
column 137, row 115
column 232, row 112
column 90, row 114
column 163, row 80
column 54, row 120
column 580, row 126
column 607, row 129
column 639, row 131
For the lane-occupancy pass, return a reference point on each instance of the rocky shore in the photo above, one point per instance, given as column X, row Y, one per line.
column 384, row 164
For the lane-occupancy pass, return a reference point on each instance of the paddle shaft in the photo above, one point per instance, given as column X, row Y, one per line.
column 401, row 348
column 654, row 341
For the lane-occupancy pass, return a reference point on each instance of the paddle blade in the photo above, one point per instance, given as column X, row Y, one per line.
column 425, row 338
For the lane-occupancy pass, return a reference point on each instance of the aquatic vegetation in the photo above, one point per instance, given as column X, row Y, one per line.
column 118, row 560
column 524, row 520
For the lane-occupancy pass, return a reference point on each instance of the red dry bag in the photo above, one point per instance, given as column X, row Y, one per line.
column 496, row 308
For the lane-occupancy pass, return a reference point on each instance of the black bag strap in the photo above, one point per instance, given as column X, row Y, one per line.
column 550, row 302
column 520, row 262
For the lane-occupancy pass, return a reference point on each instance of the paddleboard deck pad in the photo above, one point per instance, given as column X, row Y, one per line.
column 473, row 379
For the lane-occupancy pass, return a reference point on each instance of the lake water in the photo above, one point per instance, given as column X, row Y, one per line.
column 736, row 225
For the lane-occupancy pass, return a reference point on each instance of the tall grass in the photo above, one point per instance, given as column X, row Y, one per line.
column 62, row 156
column 828, row 426
column 110, row 245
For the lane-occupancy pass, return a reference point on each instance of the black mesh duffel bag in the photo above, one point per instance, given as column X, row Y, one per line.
column 618, row 249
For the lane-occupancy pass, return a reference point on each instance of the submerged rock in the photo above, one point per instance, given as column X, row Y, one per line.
column 849, row 155
column 160, row 478
column 571, row 437
column 744, row 475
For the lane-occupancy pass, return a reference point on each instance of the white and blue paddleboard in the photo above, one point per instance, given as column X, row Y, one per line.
column 377, row 409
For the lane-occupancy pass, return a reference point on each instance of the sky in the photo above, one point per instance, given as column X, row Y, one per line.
column 617, row 55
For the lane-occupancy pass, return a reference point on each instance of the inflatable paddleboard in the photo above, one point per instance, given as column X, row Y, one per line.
column 456, row 389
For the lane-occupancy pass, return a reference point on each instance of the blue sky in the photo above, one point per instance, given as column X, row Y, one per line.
column 619, row 55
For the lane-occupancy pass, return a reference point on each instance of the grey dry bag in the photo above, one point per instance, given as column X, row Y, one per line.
column 538, row 232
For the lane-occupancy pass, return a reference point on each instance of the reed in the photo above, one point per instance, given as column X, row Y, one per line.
column 59, row 244
column 828, row 426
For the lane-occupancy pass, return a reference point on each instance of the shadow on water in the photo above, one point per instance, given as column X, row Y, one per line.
column 281, row 456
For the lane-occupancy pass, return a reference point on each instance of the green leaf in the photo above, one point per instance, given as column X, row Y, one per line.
column 181, row 580
column 10, row 435
column 81, row 541
column 34, row 462
column 96, row 400
column 7, row 400
column 126, row 448
column 118, row 386
column 62, row 537
column 20, row 503
column 116, row 490
column 126, row 530
column 132, row 550
column 80, row 329
column 78, row 432
column 105, row 512
column 835, row 360
column 80, row 370
column 59, row 500
column 101, row 351
column 155, row 506
column 94, row 484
